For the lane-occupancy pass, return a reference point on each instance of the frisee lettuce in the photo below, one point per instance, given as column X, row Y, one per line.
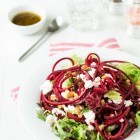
column 68, row 129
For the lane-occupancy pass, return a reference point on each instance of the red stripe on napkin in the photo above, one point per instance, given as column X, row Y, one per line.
column 113, row 46
column 107, row 41
column 72, row 44
column 60, row 47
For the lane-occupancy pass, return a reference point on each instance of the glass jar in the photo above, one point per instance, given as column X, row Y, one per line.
column 132, row 18
column 115, row 7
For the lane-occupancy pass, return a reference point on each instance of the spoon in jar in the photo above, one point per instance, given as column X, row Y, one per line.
column 54, row 26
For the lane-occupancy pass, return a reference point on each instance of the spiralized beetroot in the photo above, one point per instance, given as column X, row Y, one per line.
column 106, row 113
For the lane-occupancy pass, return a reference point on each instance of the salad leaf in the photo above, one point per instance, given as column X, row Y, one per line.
column 69, row 82
column 91, row 135
column 138, row 117
column 111, row 127
column 41, row 115
column 70, row 129
column 77, row 60
column 99, row 137
column 113, row 95
column 85, row 110
column 130, row 70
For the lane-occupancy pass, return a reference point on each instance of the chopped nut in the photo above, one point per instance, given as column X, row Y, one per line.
column 104, row 76
column 68, row 73
column 127, row 82
column 102, row 102
column 112, row 115
column 61, row 106
column 85, row 67
column 109, row 133
column 101, row 127
column 74, row 73
column 75, row 95
column 78, row 111
column 70, row 95
column 53, row 98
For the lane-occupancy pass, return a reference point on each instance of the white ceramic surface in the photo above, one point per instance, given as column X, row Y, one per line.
column 30, row 93
column 31, row 29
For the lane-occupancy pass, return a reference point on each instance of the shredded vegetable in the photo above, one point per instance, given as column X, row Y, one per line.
column 93, row 100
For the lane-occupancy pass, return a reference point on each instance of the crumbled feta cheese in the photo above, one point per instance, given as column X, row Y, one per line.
column 97, row 82
column 78, row 76
column 89, row 117
column 97, row 79
column 57, row 111
column 64, row 94
column 46, row 87
column 108, row 75
column 50, row 120
column 121, row 120
column 90, row 127
column 117, row 101
column 110, row 101
column 91, row 72
column 83, row 77
column 89, row 84
column 127, row 103
column 93, row 64
column 69, row 108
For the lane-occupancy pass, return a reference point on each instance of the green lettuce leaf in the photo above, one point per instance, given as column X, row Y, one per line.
column 137, row 117
column 69, row 82
column 113, row 95
column 85, row 110
column 130, row 70
column 67, row 129
column 99, row 137
column 77, row 60
column 41, row 115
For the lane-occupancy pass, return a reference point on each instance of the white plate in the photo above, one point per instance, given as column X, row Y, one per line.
column 30, row 93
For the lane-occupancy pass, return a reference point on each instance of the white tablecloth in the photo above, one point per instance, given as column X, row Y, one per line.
column 12, row 45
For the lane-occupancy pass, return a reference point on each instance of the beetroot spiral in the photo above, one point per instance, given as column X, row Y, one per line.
column 109, row 78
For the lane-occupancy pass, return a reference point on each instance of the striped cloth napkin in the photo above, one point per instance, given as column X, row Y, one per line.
column 65, row 46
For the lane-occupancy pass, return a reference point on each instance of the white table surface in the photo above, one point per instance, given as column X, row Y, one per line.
column 12, row 45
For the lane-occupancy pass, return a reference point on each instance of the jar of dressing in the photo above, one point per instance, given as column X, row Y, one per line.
column 132, row 18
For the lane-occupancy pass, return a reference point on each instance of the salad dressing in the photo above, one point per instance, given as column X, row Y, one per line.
column 26, row 18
